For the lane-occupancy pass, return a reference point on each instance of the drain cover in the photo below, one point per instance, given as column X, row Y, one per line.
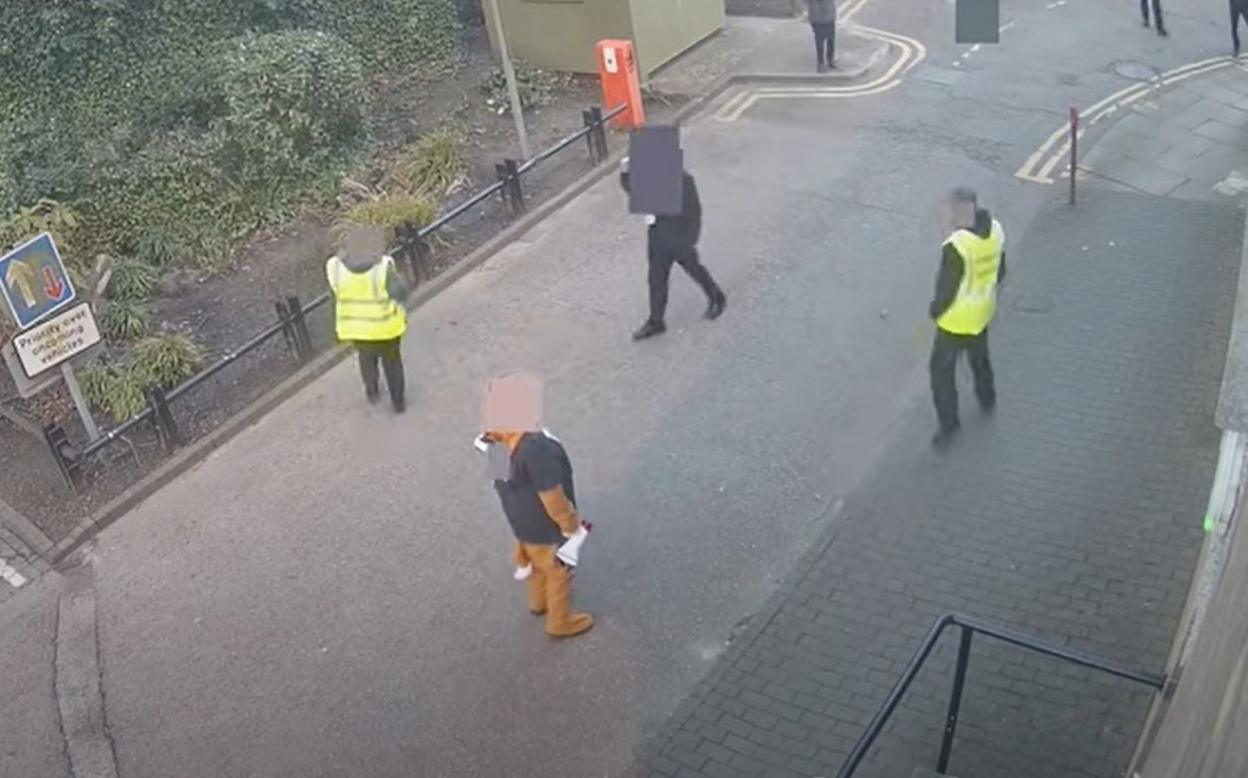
column 1136, row 71
column 1034, row 303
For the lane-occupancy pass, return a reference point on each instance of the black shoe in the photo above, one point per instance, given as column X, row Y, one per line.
column 821, row 68
column 832, row 64
column 649, row 330
column 1146, row 24
column 988, row 408
column 400, row 406
column 716, row 306
column 372, row 396
column 943, row 437
column 1162, row 32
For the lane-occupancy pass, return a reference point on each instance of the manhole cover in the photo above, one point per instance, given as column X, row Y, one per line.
column 1136, row 71
column 1034, row 303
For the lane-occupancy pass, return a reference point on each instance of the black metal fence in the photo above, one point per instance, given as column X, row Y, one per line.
column 292, row 313
column 968, row 627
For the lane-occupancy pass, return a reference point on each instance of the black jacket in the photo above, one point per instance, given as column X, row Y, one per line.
column 951, row 266
column 683, row 230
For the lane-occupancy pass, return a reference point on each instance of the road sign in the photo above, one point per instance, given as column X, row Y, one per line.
column 34, row 281
column 56, row 340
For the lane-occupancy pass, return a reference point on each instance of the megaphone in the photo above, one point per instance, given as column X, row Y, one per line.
column 570, row 551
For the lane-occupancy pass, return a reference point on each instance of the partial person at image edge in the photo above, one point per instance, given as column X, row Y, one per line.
column 822, row 17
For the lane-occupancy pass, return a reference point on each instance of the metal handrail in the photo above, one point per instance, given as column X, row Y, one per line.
column 969, row 627
column 111, row 435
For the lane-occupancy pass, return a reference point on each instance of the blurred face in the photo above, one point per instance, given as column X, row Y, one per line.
column 959, row 214
column 513, row 403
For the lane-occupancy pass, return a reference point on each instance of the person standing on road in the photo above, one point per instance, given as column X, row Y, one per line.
column 972, row 265
column 1161, row 25
column 674, row 240
column 822, row 16
column 1239, row 10
column 369, row 295
column 534, row 484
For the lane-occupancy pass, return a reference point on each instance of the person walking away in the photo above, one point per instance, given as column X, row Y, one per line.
column 1161, row 25
column 972, row 266
column 674, row 239
column 822, row 16
column 1239, row 10
column 538, row 497
column 369, row 295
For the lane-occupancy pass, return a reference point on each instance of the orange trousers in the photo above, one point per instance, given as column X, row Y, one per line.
column 550, row 590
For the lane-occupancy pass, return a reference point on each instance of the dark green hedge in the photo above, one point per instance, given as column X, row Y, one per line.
column 199, row 117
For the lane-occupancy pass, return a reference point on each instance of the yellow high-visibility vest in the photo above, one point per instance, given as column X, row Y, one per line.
column 363, row 308
column 976, row 300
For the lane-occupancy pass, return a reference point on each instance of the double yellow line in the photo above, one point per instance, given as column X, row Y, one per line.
column 911, row 53
column 1039, row 166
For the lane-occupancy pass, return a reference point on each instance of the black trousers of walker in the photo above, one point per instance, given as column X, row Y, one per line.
column 661, row 260
column 944, row 363
column 391, row 358
column 825, row 42
column 1157, row 22
column 1237, row 12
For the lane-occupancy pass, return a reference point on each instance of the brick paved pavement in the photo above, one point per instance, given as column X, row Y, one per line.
column 1073, row 514
column 19, row 563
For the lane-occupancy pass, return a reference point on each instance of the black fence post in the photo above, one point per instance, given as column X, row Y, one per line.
column 587, row 119
column 513, row 177
column 288, row 331
column 162, row 416
column 68, row 457
column 415, row 250
column 299, row 324
column 599, row 132
column 955, row 700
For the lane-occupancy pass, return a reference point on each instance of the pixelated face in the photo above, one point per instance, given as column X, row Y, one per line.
column 513, row 403
column 363, row 242
column 958, row 213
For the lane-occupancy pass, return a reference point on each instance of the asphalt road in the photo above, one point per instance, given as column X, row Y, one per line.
column 330, row 593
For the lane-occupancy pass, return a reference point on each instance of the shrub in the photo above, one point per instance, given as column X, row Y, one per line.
column 131, row 281
column 44, row 216
column 392, row 212
column 537, row 87
column 159, row 247
column 433, row 167
column 123, row 320
column 115, row 390
column 294, row 101
column 165, row 360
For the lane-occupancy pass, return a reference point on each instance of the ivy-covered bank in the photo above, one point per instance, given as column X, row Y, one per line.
column 170, row 128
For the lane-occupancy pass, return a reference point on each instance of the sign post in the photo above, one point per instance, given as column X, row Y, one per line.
column 39, row 293
column 509, row 73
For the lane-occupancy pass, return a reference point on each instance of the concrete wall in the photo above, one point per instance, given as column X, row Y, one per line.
column 560, row 34
column 666, row 28
column 1202, row 730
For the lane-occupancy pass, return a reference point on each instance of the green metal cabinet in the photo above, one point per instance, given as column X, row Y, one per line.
column 560, row 34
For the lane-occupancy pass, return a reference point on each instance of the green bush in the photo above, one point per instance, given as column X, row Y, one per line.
column 131, row 281
column 44, row 216
column 536, row 87
column 123, row 320
column 159, row 247
column 392, row 212
column 294, row 102
column 432, row 166
column 165, row 360
column 115, row 390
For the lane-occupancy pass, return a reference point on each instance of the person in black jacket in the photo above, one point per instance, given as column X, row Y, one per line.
column 1239, row 10
column 674, row 239
column 1161, row 26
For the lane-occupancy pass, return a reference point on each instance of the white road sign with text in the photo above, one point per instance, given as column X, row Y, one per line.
column 49, row 344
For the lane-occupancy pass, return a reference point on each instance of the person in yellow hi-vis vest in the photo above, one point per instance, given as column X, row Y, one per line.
column 972, row 266
column 369, row 295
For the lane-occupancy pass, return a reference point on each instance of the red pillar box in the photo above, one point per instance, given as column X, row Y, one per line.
column 621, row 85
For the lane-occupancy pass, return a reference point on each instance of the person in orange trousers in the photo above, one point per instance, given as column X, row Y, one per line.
column 538, row 498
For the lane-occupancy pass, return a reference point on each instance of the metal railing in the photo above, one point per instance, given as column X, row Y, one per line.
column 969, row 627
column 292, row 314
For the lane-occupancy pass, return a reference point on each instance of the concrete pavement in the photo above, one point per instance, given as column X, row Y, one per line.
column 330, row 593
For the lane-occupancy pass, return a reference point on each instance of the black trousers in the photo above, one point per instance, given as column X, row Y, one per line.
column 944, row 362
column 391, row 357
column 661, row 260
column 825, row 42
column 1156, row 13
column 1237, row 13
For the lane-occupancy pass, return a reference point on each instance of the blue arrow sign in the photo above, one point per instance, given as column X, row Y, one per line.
column 34, row 282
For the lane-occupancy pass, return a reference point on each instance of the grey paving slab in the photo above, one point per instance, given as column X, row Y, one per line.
column 1073, row 513
column 1214, row 129
column 1140, row 175
column 1138, row 146
column 1211, row 165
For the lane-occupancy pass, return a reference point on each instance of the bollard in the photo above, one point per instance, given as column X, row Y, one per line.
column 68, row 457
column 1074, row 149
column 587, row 118
column 288, row 330
column 162, row 417
column 513, row 175
column 599, row 132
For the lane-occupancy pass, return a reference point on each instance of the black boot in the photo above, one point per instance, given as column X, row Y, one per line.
column 650, row 329
column 716, row 306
